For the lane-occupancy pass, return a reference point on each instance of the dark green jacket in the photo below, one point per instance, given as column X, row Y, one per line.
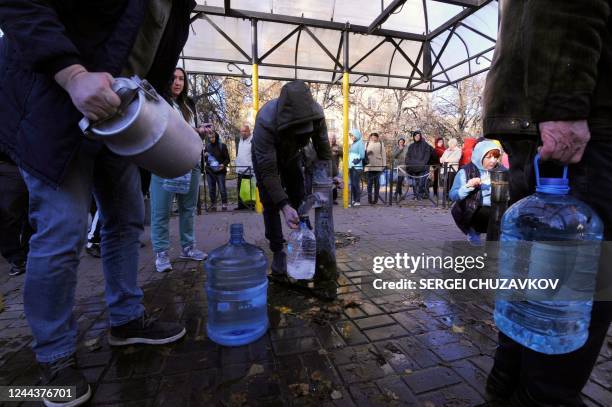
column 553, row 61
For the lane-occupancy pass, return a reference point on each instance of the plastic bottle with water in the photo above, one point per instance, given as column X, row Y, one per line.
column 213, row 163
column 550, row 234
column 302, row 252
column 236, row 288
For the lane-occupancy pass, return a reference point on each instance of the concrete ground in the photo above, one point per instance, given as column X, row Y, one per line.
column 368, row 348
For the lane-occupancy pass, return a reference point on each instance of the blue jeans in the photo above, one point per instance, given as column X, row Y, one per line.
column 214, row 180
column 355, row 180
column 161, row 207
column 419, row 183
column 59, row 218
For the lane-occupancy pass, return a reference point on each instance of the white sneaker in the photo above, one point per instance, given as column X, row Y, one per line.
column 162, row 262
column 191, row 253
column 357, row 204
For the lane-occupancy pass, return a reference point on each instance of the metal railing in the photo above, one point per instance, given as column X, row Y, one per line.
column 439, row 179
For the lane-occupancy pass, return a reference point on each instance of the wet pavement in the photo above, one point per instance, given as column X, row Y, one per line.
column 367, row 348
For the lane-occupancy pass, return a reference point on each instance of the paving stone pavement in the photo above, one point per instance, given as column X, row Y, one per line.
column 368, row 348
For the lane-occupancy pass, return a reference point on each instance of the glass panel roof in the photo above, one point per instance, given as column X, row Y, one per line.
column 304, row 39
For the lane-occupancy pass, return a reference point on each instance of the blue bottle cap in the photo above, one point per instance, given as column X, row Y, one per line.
column 553, row 186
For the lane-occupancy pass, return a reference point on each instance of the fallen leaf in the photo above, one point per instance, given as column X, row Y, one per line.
column 299, row 389
column 283, row 310
column 322, row 352
column 238, row 399
column 390, row 395
column 255, row 370
column 408, row 371
column 457, row 329
column 316, row 376
column 336, row 395
column 352, row 304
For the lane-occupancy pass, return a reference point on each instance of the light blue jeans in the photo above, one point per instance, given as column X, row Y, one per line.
column 59, row 218
column 161, row 206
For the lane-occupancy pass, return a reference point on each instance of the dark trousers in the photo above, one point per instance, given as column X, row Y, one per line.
column 436, row 180
column 373, row 183
column 419, row 184
column 292, row 181
column 355, row 179
column 93, row 235
column 15, row 230
column 241, row 205
column 400, row 184
column 480, row 219
column 558, row 379
column 214, row 180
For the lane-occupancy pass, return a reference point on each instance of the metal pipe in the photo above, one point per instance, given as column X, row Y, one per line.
column 255, row 87
column 499, row 201
column 345, row 122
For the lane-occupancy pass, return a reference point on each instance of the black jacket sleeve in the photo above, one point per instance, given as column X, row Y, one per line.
column 320, row 142
column 35, row 29
column 225, row 158
column 264, row 155
column 563, row 41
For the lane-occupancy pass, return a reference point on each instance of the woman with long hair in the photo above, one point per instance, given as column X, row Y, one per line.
column 162, row 193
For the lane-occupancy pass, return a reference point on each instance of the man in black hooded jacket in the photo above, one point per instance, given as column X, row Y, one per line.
column 417, row 158
column 283, row 127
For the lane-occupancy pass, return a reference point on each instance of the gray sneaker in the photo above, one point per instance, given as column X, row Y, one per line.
column 162, row 262
column 191, row 253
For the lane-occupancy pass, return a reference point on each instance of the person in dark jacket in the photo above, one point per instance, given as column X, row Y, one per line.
column 283, row 127
column 336, row 160
column 417, row 159
column 57, row 63
column 15, row 230
column 549, row 85
column 217, row 159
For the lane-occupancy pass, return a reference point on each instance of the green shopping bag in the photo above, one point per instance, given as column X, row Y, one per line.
column 247, row 190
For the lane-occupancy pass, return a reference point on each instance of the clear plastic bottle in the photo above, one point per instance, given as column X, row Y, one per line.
column 213, row 163
column 550, row 234
column 236, row 288
column 302, row 252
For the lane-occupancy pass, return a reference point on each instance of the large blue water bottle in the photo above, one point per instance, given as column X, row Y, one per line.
column 236, row 287
column 550, row 234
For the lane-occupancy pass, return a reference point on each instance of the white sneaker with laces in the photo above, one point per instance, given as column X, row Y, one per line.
column 162, row 262
column 191, row 253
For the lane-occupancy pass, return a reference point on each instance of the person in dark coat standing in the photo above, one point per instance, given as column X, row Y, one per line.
column 549, row 85
column 417, row 159
column 283, row 127
column 217, row 158
column 336, row 160
column 15, row 230
column 57, row 63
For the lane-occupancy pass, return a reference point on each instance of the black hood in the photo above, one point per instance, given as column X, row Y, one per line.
column 296, row 106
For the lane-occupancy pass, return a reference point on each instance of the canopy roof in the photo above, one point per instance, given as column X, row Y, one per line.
column 420, row 45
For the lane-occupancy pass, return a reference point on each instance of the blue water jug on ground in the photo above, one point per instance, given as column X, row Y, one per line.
column 550, row 234
column 236, row 288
